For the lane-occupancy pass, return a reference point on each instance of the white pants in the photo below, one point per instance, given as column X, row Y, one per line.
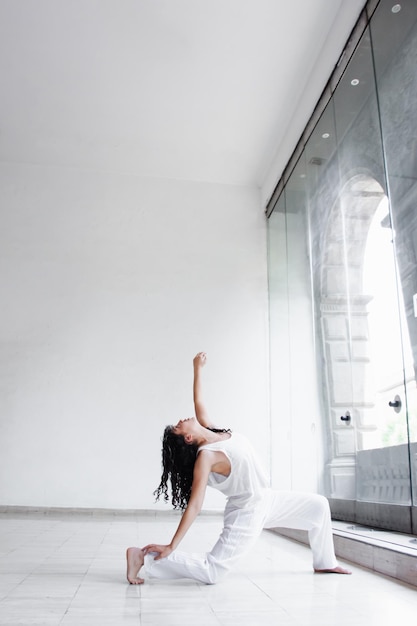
column 242, row 527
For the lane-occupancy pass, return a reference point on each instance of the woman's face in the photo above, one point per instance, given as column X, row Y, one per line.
column 184, row 426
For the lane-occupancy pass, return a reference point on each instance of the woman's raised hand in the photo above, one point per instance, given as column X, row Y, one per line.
column 200, row 359
column 199, row 362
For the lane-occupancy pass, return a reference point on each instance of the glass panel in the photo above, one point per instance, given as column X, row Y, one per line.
column 382, row 466
column 395, row 67
column 329, row 272
column 305, row 411
column 279, row 348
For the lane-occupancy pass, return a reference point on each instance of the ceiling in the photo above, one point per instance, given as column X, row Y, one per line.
column 204, row 90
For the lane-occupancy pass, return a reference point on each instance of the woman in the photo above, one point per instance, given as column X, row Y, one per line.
column 195, row 455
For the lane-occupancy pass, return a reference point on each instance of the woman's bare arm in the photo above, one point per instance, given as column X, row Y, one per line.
column 202, row 470
column 199, row 406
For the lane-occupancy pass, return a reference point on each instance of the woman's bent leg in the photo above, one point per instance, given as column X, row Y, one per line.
column 306, row 511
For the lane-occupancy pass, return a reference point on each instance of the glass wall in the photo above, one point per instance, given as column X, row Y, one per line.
column 343, row 284
column 395, row 59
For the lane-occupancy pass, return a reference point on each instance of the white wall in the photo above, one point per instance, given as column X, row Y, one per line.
column 110, row 284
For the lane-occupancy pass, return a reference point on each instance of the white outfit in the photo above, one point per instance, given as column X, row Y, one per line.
column 251, row 506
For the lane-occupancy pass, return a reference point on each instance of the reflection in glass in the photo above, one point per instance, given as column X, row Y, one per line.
column 380, row 279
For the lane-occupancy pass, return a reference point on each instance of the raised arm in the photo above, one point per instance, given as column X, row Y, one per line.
column 200, row 409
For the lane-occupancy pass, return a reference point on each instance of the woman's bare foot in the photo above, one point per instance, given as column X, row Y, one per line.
column 135, row 559
column 335, row 570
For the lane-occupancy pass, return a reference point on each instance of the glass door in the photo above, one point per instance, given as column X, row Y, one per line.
column 377, row 355
column 395, row 60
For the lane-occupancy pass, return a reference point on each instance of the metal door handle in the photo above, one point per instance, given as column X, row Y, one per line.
column 396, row 404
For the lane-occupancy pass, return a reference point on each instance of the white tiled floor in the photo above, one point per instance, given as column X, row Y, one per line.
column 70, row 570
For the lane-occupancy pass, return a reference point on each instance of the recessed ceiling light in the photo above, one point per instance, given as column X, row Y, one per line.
column 354, row 82
column 396, row 8
column 326, row 135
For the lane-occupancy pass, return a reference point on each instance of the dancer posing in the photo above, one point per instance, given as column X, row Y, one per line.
column 194, row 455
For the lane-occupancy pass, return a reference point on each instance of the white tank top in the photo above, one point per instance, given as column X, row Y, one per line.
column 247, row 479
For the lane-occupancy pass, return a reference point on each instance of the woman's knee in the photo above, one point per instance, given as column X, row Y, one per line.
column 321, row 506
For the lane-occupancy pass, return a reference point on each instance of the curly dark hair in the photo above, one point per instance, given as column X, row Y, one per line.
column 178, row 460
